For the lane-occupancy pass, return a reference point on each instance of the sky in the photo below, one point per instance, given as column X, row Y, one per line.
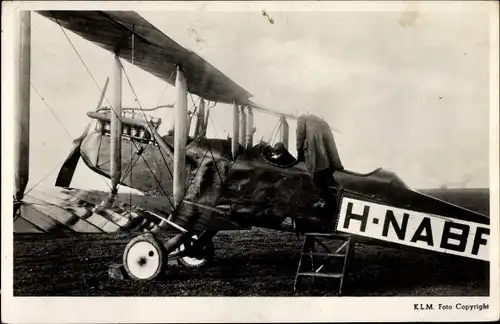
column 407, row 91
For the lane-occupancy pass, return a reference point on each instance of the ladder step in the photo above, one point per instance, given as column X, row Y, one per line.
column 308, row 249
column 318, row 274
column 337, row 255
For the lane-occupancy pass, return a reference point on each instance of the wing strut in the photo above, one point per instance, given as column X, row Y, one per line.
column 236, row 130
column 22, row 138
column 249, row 128
column 200, row 120
column 243, row 126
column 284, row 131
column 116, row 126
column 180, row 137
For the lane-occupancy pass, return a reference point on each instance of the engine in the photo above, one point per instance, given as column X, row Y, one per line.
column 132, row 127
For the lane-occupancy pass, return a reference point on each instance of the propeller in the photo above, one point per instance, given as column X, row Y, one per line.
column 68, row 168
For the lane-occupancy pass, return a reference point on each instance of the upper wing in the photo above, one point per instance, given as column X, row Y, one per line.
column 153, row 51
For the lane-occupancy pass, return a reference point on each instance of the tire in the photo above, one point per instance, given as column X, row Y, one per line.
column 144, row 257
column 207, row 254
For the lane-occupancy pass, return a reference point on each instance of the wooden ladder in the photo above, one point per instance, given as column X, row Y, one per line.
column 311, row 240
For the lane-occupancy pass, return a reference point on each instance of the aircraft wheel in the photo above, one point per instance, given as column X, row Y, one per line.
column 200, row 255
column 143, row 258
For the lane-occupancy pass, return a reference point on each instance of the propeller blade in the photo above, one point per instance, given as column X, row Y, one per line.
column 68, row 168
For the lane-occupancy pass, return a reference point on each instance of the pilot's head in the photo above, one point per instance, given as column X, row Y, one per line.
column 278, row 148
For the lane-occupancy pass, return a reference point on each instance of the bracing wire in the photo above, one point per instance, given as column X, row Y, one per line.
column 137, row 100
column 175, row 209
column 100, row 89
column 146, row 120
column 95, row 82
column 194, row 104
column 197, row 169
column 165, row 88
column 277, row 131
column 195, row 111
column 213, row 125
column 215, row 164
column 132, row 141
column 63, row 126
column 81, row 59
column 154, row 176
column 144, row 114
column 41, row 180
column 210, row 147
column 52, row 111
column 209, row 150
column 137, row 148
column 158, row 182
column 131, row 165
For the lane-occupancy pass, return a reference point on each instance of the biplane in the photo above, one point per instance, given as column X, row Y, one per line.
column 196, row 186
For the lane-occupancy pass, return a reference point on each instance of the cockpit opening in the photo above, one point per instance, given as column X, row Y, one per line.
column 278, row 156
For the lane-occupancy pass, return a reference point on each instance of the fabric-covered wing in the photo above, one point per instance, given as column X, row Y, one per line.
column 67, row 210
column 154, row 52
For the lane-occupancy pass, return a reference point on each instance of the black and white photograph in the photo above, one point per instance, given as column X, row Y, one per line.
column 341, row 154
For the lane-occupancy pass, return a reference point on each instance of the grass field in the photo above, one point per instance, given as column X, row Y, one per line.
column 247, row 263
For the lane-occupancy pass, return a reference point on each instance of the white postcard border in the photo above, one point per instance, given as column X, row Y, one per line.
column 226, row 309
